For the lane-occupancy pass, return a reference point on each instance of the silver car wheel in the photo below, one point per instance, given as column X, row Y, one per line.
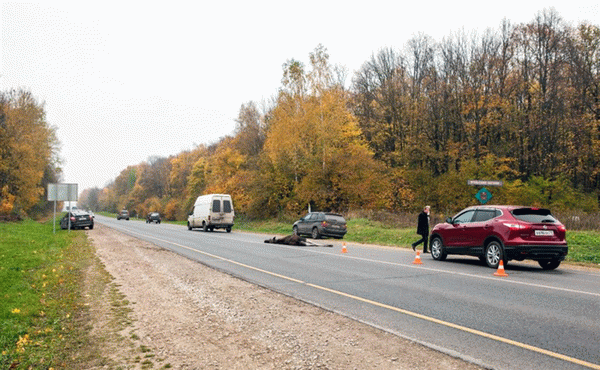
column 493, row 253
column 436, row 248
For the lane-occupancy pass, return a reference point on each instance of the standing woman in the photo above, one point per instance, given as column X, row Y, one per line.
column 423, row 229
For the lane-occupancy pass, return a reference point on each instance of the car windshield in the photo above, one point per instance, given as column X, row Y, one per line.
column 534, row 215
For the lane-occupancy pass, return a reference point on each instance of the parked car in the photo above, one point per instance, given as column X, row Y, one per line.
column 153, row 217
column 123, row 215
column 79, row 220
column 318, row 224
column 495, row 233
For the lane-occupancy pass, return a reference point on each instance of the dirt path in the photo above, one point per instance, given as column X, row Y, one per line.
column 177, row 313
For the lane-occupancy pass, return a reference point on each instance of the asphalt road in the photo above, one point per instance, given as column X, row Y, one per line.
column 532, row 319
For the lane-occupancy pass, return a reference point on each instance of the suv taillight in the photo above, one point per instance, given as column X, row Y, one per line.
column 514, row 226
column 72, row 219
column 562, row 228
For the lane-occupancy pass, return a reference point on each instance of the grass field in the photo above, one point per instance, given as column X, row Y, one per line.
column 40, row 284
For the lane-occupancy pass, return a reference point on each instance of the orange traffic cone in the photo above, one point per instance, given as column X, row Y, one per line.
column 417, row 260
column 344, row 250
column 500, row 271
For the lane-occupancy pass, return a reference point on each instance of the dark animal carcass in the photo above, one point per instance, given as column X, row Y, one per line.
column 288, row 240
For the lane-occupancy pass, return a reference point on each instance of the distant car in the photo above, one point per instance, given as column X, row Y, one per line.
column 495, row 233
column 318, row 224
column 153, row 217
column 78, row 219
column 123, row 215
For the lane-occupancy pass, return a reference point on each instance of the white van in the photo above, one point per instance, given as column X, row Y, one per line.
column 212, row 211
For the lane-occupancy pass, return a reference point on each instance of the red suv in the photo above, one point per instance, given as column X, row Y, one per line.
column 502, row 232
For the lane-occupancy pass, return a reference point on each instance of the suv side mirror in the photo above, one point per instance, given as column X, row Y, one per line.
column 449, row 220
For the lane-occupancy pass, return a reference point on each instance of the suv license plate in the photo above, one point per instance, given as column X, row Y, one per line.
column 544, row 233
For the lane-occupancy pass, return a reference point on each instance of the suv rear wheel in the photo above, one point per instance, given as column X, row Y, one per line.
column 315, row 233
column 493, row 254
column 437, row 249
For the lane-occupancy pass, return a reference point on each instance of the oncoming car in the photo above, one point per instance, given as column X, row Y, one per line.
column 153, row 217
column 317, row 224
column 123, row 215
column 495, row 233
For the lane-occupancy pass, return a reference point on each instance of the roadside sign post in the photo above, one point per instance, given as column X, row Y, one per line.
column 484, row 195
column 62, row 193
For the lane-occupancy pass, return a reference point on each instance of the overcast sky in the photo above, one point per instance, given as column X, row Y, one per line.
column 123, row 81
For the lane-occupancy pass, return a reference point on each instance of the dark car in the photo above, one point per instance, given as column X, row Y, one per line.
column 318, row 224
column 123, row 215
column 153, row 217
column 509, row 233
column 78, row 219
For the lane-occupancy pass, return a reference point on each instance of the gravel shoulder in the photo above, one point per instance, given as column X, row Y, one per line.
column 162, row 310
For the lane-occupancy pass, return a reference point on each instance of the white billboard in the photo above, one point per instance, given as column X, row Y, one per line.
column 62, row 192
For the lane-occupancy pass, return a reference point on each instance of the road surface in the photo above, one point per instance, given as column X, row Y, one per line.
column 531, row 319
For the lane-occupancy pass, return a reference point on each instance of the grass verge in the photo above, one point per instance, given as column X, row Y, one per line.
column 40, row 279
column 59, row 307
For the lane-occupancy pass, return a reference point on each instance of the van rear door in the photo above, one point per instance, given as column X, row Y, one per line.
column 227, row 211
column 221, row 210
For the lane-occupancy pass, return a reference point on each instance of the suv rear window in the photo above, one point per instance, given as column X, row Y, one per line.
column 534, row 215
column 335, row 218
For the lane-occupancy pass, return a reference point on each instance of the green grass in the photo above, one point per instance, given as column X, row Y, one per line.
column 40, row 287
column 584, row 247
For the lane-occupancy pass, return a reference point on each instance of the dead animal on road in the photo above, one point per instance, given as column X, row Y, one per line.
column 295, row 240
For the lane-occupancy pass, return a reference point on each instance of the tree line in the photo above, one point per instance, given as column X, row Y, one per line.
column 28, row 156
column 520, row 103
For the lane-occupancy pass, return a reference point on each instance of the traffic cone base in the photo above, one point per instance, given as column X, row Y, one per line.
column 344, row 250
column 500, row 271
column 417, row 260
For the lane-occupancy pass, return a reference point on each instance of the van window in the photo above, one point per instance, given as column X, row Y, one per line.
column 216, row 205
column 226, row 206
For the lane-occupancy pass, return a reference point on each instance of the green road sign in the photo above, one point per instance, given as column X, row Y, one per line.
column 483, row 195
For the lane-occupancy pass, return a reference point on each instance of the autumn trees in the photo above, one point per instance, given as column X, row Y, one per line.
column 28, row 154
column 520, row 103
column 523, row 96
